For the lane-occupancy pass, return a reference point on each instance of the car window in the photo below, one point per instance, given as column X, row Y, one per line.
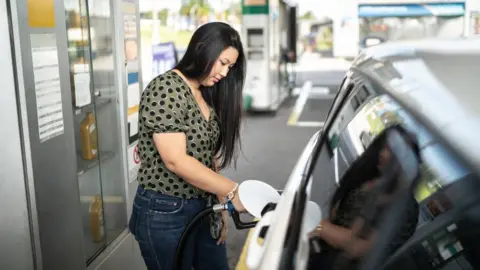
column 356, row 99
column 381, row 112
column 445, row 185
column 355, row 103
column 343, row 145
column 362, row 94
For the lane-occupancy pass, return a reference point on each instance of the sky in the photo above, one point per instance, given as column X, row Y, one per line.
column 173, row 4
column 320, row 8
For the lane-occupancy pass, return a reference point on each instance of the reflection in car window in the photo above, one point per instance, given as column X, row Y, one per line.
column 446, row 167
column 439, row 169
column 422, row 136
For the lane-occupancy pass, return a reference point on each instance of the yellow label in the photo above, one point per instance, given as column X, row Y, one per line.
column 128, row 8
column 133, row 110
column 255, row 2
column 41, row 13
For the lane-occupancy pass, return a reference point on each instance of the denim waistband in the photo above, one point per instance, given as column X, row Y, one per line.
column 152, row 194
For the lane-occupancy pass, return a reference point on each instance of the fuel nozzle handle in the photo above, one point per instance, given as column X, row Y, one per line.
column 239, row 224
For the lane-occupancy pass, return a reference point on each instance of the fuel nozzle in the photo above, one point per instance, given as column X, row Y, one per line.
column 258, row 199
column 239, row 224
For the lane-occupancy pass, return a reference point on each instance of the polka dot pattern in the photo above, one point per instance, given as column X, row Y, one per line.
column 167, row 105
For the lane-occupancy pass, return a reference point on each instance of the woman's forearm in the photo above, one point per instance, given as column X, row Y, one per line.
column 197, row 174
column 343, row 238
column 334, row 235
column 221, row 199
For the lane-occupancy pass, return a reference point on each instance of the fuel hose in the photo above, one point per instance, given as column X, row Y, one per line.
column 239, row 224
column 177, row 263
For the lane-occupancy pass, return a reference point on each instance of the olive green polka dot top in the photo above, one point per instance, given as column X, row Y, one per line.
column 168, row 105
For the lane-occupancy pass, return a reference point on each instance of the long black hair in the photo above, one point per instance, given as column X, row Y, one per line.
column 365, row 168
column 226, row 97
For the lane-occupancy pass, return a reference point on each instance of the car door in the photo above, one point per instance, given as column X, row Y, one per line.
column 353, row 126
column 446, row 234
column 276, row 233
column 285, row 233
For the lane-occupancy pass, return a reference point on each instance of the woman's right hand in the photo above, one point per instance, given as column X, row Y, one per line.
column 238, row 204
column 317, row 231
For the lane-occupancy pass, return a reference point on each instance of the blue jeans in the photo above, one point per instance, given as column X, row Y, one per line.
column 158, row 221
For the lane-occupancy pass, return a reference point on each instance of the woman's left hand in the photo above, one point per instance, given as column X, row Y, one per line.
column 224, row 232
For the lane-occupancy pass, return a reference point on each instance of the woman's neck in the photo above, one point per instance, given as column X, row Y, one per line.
column 193, row 84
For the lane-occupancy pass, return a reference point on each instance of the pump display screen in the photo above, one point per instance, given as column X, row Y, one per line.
column 442, row 246
column 255, row 55
column 255, row 38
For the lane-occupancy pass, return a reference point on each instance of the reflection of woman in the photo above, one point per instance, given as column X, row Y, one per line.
column 337, row 232
column 188, row 129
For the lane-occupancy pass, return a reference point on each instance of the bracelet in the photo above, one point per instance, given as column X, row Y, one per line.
column 319, row 227
column 230, row 195
column 316, row 232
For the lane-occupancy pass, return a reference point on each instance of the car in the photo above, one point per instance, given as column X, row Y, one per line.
column 430, row 89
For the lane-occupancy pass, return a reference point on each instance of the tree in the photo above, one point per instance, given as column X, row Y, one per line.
column 197, row 8
column 185, row 8
column 236, row 9
column 203, row 10
column 202, row 7
column 146, row 15
column 163, row 16
column 308, row 16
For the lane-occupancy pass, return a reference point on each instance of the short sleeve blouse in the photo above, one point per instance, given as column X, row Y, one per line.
column 168, row 105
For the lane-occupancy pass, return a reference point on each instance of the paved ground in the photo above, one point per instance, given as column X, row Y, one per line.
column 320, row 71
column 315, row 110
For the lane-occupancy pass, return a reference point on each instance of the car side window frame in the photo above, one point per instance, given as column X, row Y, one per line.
column 335, row 152
column 343, row 148
column 342, row 90
column 359, row 84
column 346, row 90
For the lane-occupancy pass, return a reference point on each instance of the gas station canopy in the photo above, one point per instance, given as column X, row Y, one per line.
column 407, row 10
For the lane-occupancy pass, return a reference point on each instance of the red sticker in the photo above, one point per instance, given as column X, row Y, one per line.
column 136, row 157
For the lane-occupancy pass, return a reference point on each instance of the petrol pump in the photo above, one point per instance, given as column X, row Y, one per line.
column 269, row 38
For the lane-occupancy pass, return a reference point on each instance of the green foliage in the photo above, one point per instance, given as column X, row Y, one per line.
column 146, row 15
column 202, row 8
column 163, row 16
column 308, row 16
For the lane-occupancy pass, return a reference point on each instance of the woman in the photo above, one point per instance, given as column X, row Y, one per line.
column 189, row 128
column 338, row 235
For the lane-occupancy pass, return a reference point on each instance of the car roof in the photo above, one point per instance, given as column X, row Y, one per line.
column 438, row 81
